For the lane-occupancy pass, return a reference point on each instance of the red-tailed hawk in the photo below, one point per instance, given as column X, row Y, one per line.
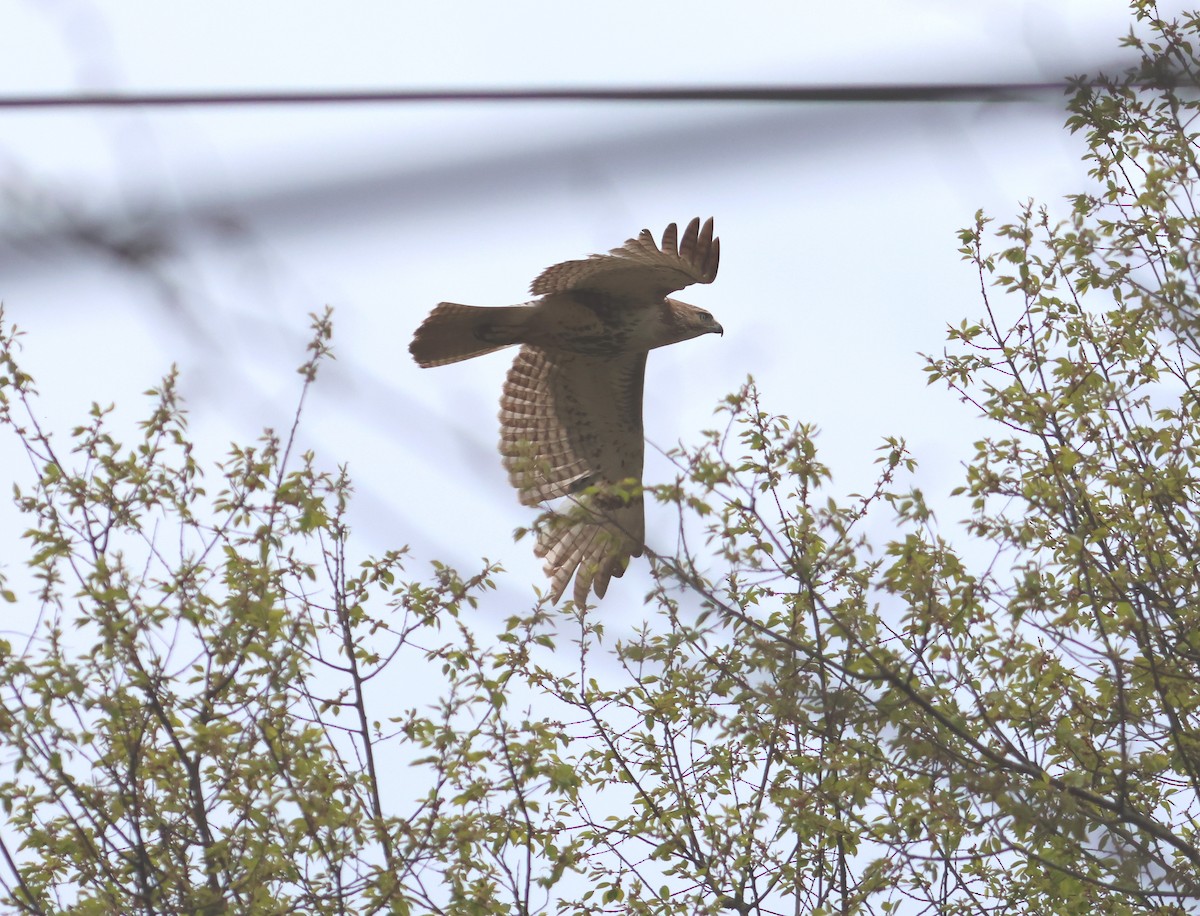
column 571, row 412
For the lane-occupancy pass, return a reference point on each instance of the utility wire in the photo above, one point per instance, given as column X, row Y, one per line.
column 905, row 92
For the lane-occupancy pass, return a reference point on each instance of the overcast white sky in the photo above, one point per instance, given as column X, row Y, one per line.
column 837, row 222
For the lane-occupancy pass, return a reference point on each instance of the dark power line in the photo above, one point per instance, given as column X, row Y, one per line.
column 908, row 92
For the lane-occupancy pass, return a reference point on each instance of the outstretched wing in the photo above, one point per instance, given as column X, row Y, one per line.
column 571, row 422
column 640, row 268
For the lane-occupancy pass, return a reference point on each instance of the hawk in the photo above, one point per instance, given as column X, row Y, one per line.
column 571, row 411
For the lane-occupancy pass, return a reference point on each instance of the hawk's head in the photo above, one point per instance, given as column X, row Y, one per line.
column 683, row 322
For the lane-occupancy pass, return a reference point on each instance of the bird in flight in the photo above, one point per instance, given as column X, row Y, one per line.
column 571, row 410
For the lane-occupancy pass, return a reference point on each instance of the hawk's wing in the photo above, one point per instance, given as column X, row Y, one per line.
column 569, row 422
column 641, row 268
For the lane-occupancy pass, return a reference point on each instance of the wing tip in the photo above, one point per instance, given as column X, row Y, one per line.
column 699, row 248
column 670, row 240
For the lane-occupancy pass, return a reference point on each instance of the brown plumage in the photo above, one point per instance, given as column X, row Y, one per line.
column 571, row 412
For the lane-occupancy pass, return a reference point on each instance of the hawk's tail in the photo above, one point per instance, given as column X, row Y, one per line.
column 453, row 332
